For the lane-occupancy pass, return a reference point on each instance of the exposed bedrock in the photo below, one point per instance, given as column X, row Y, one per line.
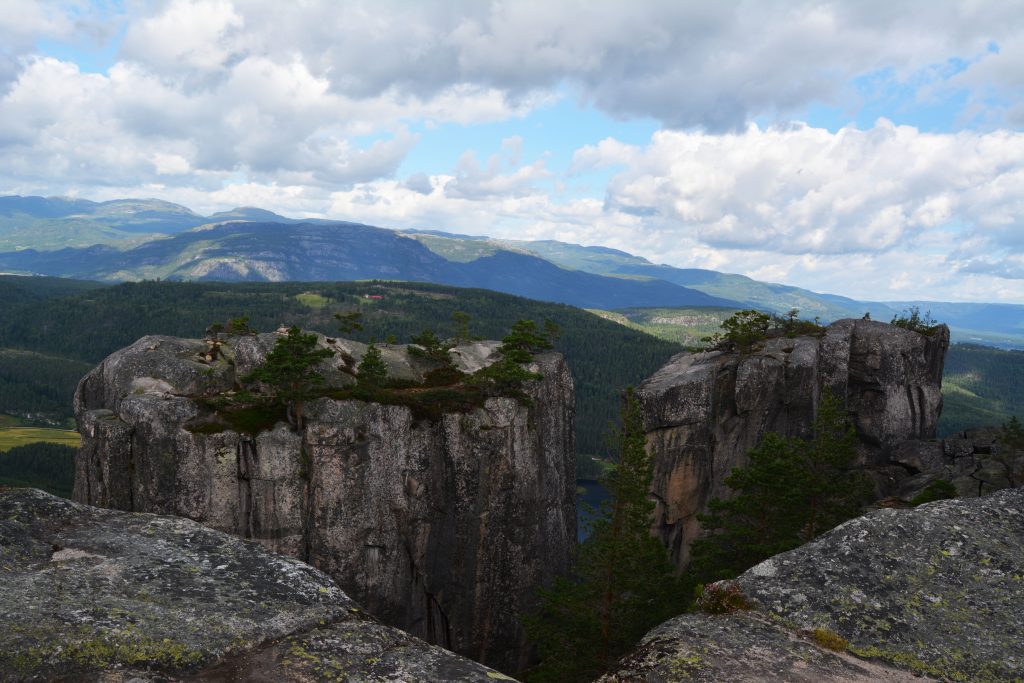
column 931, row 593
column 704, row 411
column 103, row 595
column 442, row 526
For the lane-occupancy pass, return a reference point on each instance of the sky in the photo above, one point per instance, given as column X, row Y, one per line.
column 872, row 149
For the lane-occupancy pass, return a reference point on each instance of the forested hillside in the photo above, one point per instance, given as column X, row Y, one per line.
column 981, row 386
column 68, row 334
column 46, row 466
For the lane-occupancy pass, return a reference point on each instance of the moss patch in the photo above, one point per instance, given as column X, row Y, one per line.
column 87, row 649
column 244, row 418
column 830, row 640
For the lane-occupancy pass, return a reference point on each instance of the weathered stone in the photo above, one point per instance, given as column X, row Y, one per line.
column 741, row 648
column 976, row 462
column 705, row 411
column 934, row 592
column 91, row 594
column 444, row 527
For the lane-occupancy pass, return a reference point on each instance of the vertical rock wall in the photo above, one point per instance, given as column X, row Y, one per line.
column 704, row 411
column 444, row 528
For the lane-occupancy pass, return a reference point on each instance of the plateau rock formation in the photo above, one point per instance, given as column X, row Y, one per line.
column 441, row 523
column 934, row 592
column 704, row 411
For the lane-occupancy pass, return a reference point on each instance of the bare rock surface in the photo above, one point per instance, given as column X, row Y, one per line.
column 742, row 648
column 704, row 411
column 93, row 594
column 934, row 592
column 443, row 526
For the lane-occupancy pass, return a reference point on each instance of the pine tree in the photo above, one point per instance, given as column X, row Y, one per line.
column 623, row 582
column 290, row 370
column 524, row 340
column 372, row 371
column 790, row 492
column 349, row 322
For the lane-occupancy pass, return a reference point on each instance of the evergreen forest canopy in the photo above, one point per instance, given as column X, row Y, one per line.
column 71, row 326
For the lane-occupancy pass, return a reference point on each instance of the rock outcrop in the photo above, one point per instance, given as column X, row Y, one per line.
column 101, row 595
column 704, row 411
column 441, row 524
column 934, row 592
column 975, row 461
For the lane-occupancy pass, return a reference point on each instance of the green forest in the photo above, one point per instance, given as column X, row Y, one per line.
column 68, row 329
column 46, row 466
column 981, row 386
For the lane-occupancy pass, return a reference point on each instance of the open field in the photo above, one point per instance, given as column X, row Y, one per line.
column 21, row 436
column 683, row 326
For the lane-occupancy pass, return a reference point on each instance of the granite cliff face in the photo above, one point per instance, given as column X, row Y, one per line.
column 101, row 595
column 931, row 593
column 704, row 411
column 442, row 526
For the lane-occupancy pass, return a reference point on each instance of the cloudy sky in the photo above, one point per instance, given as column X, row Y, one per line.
column 873, row 148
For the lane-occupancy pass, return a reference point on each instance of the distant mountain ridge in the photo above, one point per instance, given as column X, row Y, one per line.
column 247, row 251
column 130, row 239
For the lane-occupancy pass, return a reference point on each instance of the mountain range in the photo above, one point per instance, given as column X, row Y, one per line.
column 131, row 239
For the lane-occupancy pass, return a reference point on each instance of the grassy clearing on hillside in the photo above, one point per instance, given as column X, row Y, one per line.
column 23, row 436
column 312, row 299
column 684, row 326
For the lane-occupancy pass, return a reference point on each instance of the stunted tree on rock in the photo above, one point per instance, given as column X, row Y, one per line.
column 373, row 370
column 290, row 370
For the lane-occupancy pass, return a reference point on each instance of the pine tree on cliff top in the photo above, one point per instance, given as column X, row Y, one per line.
column 372, row 371
column 290, row 370
column 623, row 582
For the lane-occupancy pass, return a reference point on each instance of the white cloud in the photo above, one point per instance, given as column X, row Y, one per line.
column 800, row 190
column 475, row 182
column 889, row 212
column 684, row 63
column 187, row 35
column 226, row 102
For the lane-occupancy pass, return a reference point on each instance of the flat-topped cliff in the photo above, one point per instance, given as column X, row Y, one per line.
column 704, row 411
column 440, row 519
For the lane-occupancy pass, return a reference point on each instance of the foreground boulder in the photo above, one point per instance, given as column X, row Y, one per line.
column 91, row 594
column 934, row 592
column 704, row 411
column 441, row 517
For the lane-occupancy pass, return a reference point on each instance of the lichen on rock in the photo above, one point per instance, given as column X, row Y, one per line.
column 934, row 592
column 91, row 594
